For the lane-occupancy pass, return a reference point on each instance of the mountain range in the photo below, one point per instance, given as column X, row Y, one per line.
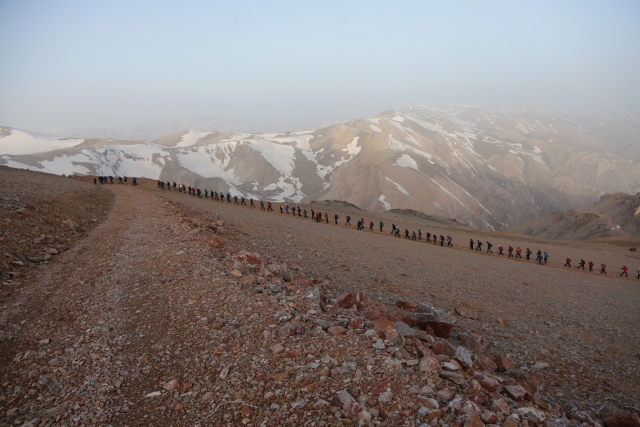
column 488, row 168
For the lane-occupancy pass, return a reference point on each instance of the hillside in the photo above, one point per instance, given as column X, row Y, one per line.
column 486, row 168
column 612, row 216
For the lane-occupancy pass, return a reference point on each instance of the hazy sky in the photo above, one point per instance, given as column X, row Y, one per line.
column 298, row 64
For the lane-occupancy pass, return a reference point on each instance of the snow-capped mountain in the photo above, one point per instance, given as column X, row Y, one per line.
column 489, row 168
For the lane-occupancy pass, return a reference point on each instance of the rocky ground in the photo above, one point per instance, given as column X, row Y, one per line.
column 180, row 311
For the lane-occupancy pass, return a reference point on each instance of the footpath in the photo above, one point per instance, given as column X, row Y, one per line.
column 160, row 318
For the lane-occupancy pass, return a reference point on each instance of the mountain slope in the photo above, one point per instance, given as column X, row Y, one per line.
column 488, row 168
column 613, row 215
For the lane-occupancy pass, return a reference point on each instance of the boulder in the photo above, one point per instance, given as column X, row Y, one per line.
column 467, row 310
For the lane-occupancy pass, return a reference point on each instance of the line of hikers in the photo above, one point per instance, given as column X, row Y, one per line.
column 109, row 180
column 541, row 257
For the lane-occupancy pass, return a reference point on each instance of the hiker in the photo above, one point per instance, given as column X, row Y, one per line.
column 471, row 244
column 528, row 253
column 243, row 201
column 638, row 273
column 174, row 183
column 228, row 197
column 428, row 234
column 358, row 225
column 500, row 249
column 286, row 208
column 413, row 235
column 441, row 240
column 299, row 211
column 624, row 271
column 251, row 202
column 261, row 205
column 539, row 258
column 397, row 231
column 370, row 225
column 510, row 250
column 235, row 200
column 419, row 234
column 393, row 228
column 269, row 208
column 519, row 253
column 134, row 181
column 546, row 257
column 326, row 218
column 305, row 213
column 590, row 265
column 313, row 215
column 110, row 179
column 449, row 241
column 348, row 222
column 434, row 239
column 567, row 263
column 581, row 265
column 489, row 245
column 603, row 268
column 206, row 193
column 381, row 225
column 281, row 209
column 335, row 218
column 199, row 193
column 479, row 247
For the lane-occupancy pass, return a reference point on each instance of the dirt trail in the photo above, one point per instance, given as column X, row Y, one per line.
column 146, row 305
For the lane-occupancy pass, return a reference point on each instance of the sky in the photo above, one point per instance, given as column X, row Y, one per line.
column 276, row 65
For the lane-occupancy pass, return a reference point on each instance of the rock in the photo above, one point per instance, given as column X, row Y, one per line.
column 153, row 394
column 346, row 403
column 516, row 392
column 385, row 397
column 453, row 377
column 44, row 341
column 52, row 251
column 172, row 385
column 281, row 376
column 531, row 414
column 336, row 330
column 364, row 415
column 404, row 329
column 382, row 386
column 488, row 382
column 429, row 364
column 444, row 347
column 409, row 306
column 503, row 364
column 179, row 407
column 464, row 357
column 466, row 310
column 236, row 273
column 489, row 417
column 320, row 404
column 500, row 405
column 207, row 396
column 277, row 348
column 275, row 288
column 622, row 419
column 431, row 321
column 246, row 280
column 359, row 299
column 483, row 363
column 540, row 365
column 474, row 420
column 502, row 321
column 70, row 225
column 383, row 324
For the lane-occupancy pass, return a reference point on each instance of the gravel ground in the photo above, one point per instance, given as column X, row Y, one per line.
column 175, row 310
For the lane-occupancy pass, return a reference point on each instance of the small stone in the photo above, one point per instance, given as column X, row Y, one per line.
column 503, row 321
column 474, row 420
column 429, row 364
column 179, row 407
column 44, row 341
column 320, row 404
column 346, row 402
column 516, row 392
column 172, row 385
column 503, row 364
column 153, row 394
column 336, row 330
column 464, row 357
column 466, row 310
column 454, row 377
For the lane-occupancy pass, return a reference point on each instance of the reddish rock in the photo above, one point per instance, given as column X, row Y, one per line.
column 488, row 382
column 409, row 306
column 503, row 364
column 515, row 392
column 483, row 363
column 479, row 399
column 431, row 322
column 489, row 417
column 436, row 413
column 541, row 403
column 408, row 320
column 187, row 387
column 467, row 310
column 359, row 299
column 355, row 324
column 373, row 313
column 500, row 405
column 382, row 324
column 172, row 385
column 502, row 321
column 281, row 376
column 246, row 280
column 527, row 385
column 429, row 364
column 336, row 330
column 444, row 347
column 346, row 402
column 293, row 353
column 509, row 423
column 382, row 386
column 474, row 420
column 622, row 419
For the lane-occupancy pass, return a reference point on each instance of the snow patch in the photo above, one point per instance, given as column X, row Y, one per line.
column 398, row 186
column 406, row 161
column 20, row 142
column 386, row 205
